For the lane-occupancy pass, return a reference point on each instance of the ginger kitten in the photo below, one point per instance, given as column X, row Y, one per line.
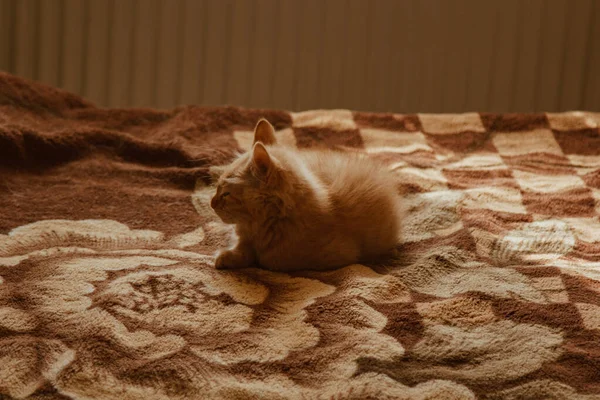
column 305, row 209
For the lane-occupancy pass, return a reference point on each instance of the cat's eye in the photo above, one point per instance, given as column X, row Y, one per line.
column 225, row 194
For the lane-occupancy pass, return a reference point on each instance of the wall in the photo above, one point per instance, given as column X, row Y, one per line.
column 381, row 55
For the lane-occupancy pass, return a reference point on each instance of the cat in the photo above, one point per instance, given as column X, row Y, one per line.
column 305, row 209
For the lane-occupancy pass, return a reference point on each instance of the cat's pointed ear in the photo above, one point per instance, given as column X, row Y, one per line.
column 261, row 160
column 264, row 132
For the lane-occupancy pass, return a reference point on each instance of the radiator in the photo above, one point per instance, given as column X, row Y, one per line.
column 379, row 55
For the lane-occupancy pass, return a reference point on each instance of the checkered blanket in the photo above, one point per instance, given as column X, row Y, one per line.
column 108, row 291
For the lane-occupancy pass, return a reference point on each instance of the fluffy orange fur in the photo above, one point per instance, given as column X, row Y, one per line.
column 305, row 209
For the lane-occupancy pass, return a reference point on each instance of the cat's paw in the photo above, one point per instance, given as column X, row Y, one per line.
column 228, row 259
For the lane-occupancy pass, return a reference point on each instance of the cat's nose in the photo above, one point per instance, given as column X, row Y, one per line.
column 213, row 202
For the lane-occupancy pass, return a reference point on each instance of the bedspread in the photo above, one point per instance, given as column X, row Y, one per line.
column 108, row 290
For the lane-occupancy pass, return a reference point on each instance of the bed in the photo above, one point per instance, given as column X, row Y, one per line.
column 108, row 290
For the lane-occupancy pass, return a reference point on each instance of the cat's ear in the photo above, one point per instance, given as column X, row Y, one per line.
column 261, row 160
column 264, row 132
